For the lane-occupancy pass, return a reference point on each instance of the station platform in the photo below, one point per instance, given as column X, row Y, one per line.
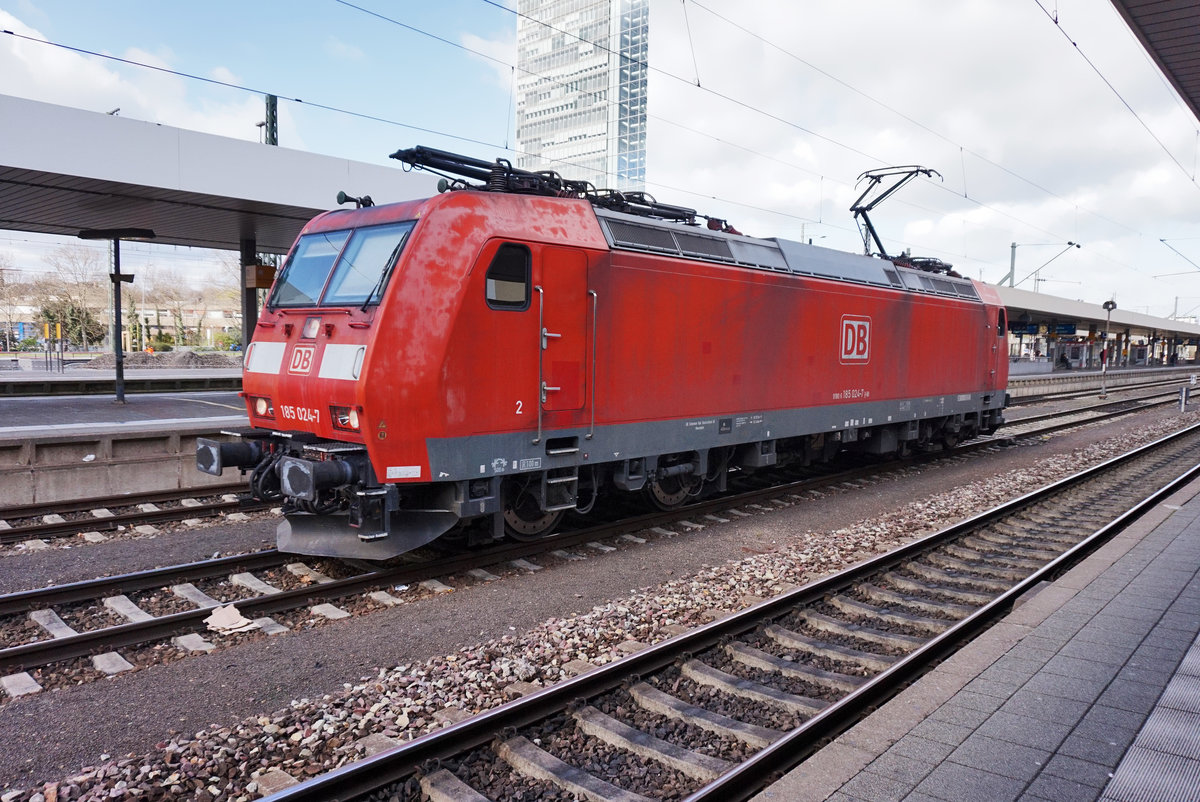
column 59, row 447
column 79, row 380
column 34, row 417
column 1088, row 690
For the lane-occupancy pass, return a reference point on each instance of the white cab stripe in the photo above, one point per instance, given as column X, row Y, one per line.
column 341, row 361
column 265, row 357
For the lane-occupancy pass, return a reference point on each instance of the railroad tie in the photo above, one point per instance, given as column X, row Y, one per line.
column 603, row 727
column 253, row 584
column 891, row 597
column 946, row 569
column 756, row 658
column 535, row 762
column 855, row 608
column 124, row 607
column 704, row 674
column 304, row 572
column 442, row 786
column 950, row 592
column 663, row 704
column 794, row 640
column 196, row 596
column 893, row 640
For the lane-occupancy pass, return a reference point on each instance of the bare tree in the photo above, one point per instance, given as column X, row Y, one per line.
column 9, row 295
column 225, row 293
column 170, row 293
column 74, row 295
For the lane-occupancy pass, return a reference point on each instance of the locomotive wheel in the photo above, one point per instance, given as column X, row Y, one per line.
column 671, row 493
column 524, row 518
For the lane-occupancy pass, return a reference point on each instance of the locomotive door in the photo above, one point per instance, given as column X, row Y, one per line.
column 562, row 291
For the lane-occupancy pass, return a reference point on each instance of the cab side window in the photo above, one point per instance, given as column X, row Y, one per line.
column 509, row 277
column 1002, row 322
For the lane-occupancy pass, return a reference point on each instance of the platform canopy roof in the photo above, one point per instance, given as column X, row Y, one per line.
column 1036, row 307
column 63, row 170
column 1170, row 32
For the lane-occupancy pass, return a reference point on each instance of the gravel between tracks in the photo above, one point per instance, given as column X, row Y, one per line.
column 201, row 728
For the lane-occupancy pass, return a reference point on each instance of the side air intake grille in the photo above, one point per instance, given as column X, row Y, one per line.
column 655, row 239
column 660, row 239
column 625, row 232
column 705, row 246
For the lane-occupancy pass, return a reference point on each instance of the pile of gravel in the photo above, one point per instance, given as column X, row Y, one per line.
column 178, row 360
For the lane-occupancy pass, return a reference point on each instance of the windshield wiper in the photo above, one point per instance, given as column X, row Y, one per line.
column 387, row 271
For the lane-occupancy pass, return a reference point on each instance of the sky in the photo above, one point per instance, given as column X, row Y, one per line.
column 1045, row 119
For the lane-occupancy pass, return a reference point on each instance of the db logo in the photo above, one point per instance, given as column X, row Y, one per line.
column 856, row 339
column 302, row 359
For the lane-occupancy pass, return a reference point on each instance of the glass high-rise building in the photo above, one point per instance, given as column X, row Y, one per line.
column 581, row 89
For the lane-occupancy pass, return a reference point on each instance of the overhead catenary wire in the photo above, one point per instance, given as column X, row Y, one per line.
column 475, row 141
column 1054, row 18
column 484, row 143
column 770, row 115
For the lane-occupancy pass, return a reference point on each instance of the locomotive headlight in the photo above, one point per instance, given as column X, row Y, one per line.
column 262, row 407
column 344, row 418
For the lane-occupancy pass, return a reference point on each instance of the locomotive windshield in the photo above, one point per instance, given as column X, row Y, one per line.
column 340, row 268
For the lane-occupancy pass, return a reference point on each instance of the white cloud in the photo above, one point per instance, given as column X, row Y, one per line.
column 499, row 54
column 992, row 95
column 342, row 51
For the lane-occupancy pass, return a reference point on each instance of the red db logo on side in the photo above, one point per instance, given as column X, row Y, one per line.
column 302, row 359
column 856, row 339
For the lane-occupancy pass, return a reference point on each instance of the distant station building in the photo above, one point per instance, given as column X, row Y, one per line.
column 581, row 89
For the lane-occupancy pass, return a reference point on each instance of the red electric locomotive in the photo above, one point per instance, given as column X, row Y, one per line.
column 484, row 360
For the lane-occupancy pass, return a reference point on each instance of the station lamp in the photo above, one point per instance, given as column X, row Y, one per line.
column 116, row 235
column 1012, row 266
column 1109, row 306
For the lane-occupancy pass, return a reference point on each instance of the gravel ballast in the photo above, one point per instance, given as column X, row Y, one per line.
column 203, row 727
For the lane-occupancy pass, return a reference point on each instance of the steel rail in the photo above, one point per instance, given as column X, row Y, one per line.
column 1093, row 407
column 124, row 500
column 40, row 530
column 399, row 763
column 53, row 530
column 792, row 749
column 1068, row 394
column 24, row 600
column 83, row 644
column 1058, row 427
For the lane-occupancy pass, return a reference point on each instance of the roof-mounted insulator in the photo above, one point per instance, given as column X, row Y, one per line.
column 501, row 176
column 642, row 204
column 717, row 224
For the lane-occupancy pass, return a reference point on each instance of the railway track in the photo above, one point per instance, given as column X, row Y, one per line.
column 40, row 627
column 107, row 514
column 112, row 513
column 1028, row 400
column 59, row 629
column 165, row 608
column 715, row 712
column 1049, row 422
